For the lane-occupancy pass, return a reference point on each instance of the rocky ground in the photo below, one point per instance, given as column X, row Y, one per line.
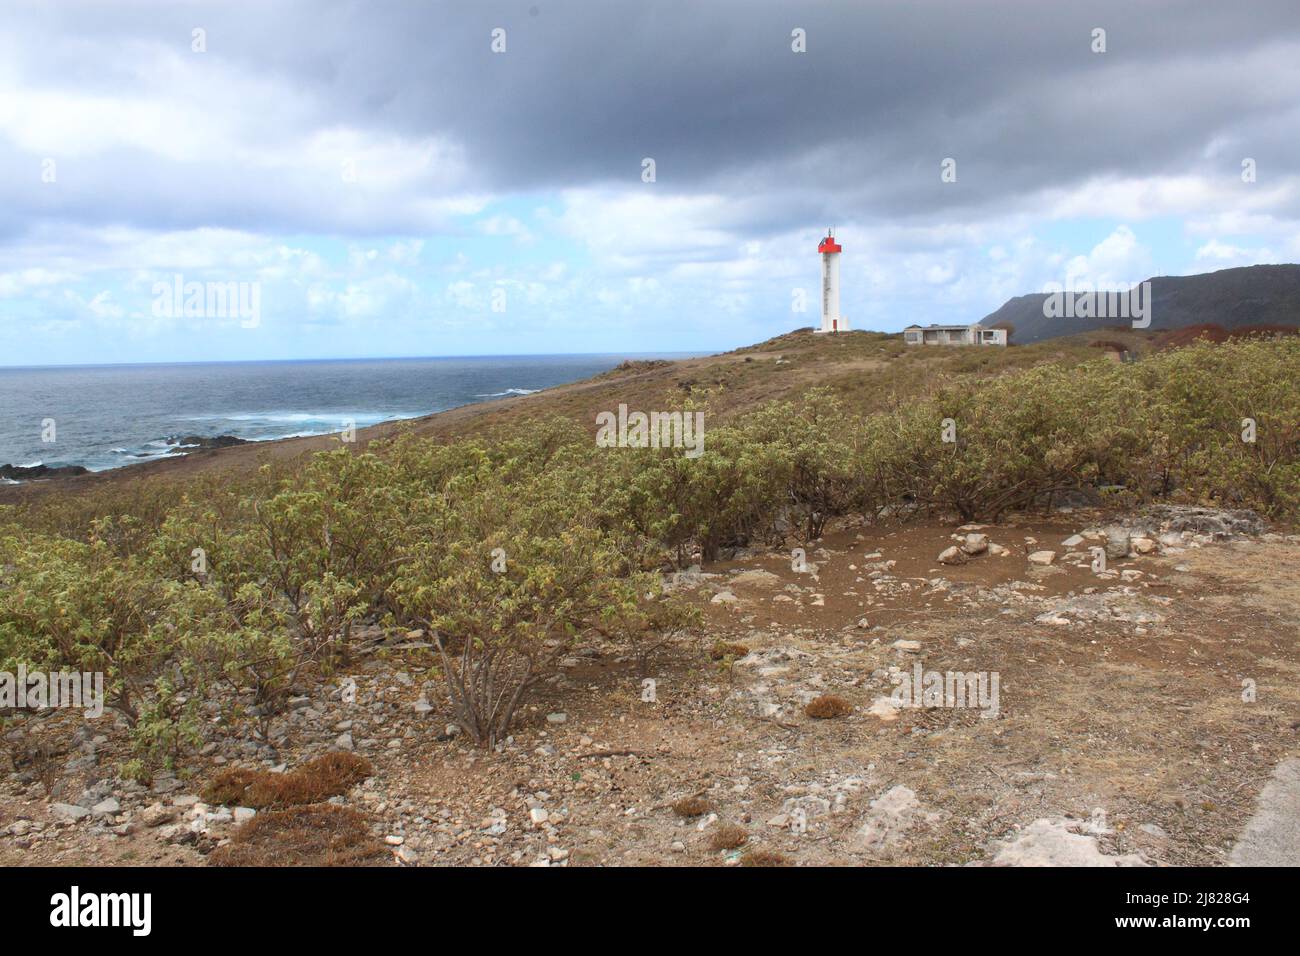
column 1146, row 670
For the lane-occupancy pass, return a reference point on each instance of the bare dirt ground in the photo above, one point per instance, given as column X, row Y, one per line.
column 1139, row 715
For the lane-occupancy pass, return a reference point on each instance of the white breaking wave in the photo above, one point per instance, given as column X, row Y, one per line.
column 508, row 391
column 297, row 418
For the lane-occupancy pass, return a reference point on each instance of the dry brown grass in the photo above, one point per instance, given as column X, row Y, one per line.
column 692, row 807
column 761, row 857
column 315, row 781
column 728, row 837
column 319, row 835
column 722, row 650
column 228, row 786
column 828, row 707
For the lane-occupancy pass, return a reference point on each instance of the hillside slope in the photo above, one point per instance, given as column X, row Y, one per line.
column 871, row 370
column 1231, row 298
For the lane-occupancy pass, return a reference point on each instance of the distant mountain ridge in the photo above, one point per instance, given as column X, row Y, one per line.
column 1231, row 298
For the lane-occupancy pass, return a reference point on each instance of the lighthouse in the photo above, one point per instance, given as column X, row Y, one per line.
column 830, row 251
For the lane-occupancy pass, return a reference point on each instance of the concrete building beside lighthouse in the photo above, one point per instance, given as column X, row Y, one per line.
column 830, row 251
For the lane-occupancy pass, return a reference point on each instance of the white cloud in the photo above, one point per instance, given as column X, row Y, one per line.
column 507, row 226
column 1222, row 255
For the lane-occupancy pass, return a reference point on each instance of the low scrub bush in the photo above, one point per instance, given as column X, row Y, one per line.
column 331, row 775
column 692, row 807
column 728, row 837
column 828, row 707
column 318, row 835
column 512, row 548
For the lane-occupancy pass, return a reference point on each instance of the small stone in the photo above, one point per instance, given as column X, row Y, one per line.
column 68, row 811
column 724, row 597
column 1117, row 542
column 106, row 807
column 556, row 718
column 953, row 555
column 975, row 544
column 538, row 815
column 884, row 708
column 1144, row 546
column 407, row 856
column 344, row 742
column 911, row 647
column 244, row 814
column 1073, row 541
column 394, row 840
column 1042, row 558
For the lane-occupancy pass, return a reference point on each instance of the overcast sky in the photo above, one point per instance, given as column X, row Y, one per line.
column 380, row 171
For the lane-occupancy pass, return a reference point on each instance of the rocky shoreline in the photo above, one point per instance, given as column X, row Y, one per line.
column 34, row 472
column 182, row 446
column 218, row 441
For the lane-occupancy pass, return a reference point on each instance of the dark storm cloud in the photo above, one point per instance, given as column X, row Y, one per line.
column 858, row 125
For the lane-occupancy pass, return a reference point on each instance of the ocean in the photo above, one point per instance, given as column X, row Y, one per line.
column 107, row 416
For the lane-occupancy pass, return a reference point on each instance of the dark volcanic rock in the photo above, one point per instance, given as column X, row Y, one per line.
column 21, row 473
column 220, row 441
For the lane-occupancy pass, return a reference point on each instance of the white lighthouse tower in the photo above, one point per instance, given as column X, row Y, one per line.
column 830, row 250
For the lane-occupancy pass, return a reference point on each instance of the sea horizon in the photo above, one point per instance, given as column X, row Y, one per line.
column 108, row 416
column 360, row 358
